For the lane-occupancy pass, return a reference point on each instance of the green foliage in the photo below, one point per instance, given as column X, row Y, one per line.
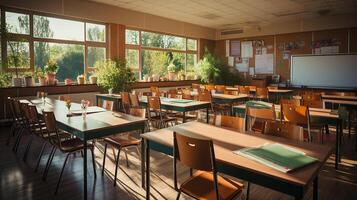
column 212, row 70
column 114, row 75
column 51, row 67
column 171, row 68
column 5, row 79
column 71, row 63
column 39, row 73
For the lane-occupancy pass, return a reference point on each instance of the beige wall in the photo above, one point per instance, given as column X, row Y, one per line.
column 321, row 23
column 111, row 14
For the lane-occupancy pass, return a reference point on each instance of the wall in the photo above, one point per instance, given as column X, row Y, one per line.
column 346, row 37
column 111, row 14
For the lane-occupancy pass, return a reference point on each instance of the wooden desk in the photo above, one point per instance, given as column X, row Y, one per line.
column 96, row 125
column 229, row 99
column 321, row 114
column 180, row 107
column 116, row 98
column 336, row 97
column 294, row 183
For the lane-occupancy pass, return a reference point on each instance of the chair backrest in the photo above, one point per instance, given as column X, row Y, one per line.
column 295, row 114
column 33, row 114
column 220, row 88
column 342, row 93
column 230, row 122
column 138, row 112
column 196, row 153
column 172, row 93
column 196, row 86
column 154, row 103
column 125, row 100
column 313, row 103
column 256, row 117
column 243, row 90
column 50, row 121
column 205, row 95
column 10, row 101
column 272, row 87
column 155, row 91
column 134, row 100
column 262, row 93
column 63, row 97
column 286, row 130
column 17, row 108
column 311, row 96
column 25, row 111
column 252, row 87
column 39, row 94
column 295, row 102
column 209, row 87
column 108, row 105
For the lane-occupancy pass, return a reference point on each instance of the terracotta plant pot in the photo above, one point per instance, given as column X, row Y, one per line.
column 28, row 81
column 93, row 79
column 42, row 81
column 17, row 82
column 68, row 81
column 80, row 80
column 51, row 77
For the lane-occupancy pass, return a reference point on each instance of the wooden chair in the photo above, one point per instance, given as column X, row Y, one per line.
column 196, row 87
column 262, row 94
column 63, row 98
column 295, row 102
column 209, row 87
column 186, row 94
column 108, row 105
column 313, row 103
column 39, row 94
column 20, row 122
column 160, row 118
column 311, row 96
column 198, row 153
column 236, row 123
column 220, row 89
column 256, row 117
column 125, row 101
column 272, row 87
column 155, row 91
column 244, row 90
column 68, row 147
column 123, row 141
column 17, row 124
column 134, row 101
column 172, row 93
column 285, row 130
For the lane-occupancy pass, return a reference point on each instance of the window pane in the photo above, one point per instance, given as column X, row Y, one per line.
column 17, row 23
column 132, row 58
column 18, row 54
column 69, row 57
column 173, row 42
column 191, row 63
column 62, row 29
column 95, row 54
column 192, row 44
column 149, row 39
column 95, row 32
column 131, row 37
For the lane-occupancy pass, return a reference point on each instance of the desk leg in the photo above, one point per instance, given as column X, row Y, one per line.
column 337, row 146
column 96, row 101
column 183, row 117
column 147, row 155
column 85, row 169
column 340, row 141
column 207, row 115
column 315, row 188
column 142, row 163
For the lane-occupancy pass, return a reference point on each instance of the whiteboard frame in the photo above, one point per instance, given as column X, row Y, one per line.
column 327, row 87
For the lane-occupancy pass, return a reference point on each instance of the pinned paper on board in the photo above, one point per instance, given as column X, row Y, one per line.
column 286, row 55
column 243, row 66
column 247, row 49
column 227, row 48
column 230, row 61
column 264, row 50
column 251, row 71
column 264, row 64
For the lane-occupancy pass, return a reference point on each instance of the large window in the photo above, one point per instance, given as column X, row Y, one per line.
column 151, row 53
column 34, row 39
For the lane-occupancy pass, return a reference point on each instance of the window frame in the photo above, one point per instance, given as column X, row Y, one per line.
column 31, row 39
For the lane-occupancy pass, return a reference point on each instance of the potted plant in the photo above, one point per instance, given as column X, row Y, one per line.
column 114, row 75
column 67, row 81
column 93, row 78
column 40, row 75
column 171, row 71
column 28, row 80
column 5, row 80
column 80, row 79
column 51, row 69
column 207, row 68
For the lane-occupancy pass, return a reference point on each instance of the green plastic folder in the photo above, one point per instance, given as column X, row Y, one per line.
column 277, row 156
column 178, row 100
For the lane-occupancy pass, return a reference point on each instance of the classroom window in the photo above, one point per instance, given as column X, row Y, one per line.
column 18, row 54
column 17, row 23
column 95, row 54
column 192, row 44
column 132, row 58
column 131, row 37
column 95, row 32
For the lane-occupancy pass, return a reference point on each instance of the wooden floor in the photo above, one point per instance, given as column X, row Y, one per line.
column 19, row 181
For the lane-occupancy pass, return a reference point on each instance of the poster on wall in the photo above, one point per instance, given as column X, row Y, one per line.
column 230, row 61
column 243, row 66
column 247, row 49
column 264, row 64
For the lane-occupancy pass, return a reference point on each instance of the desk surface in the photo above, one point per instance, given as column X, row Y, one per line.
column 351, row 98
column 226, row 141
column 343, row 102
column 270, row 90
column 167, row 102
column 228, row 96
column 116, row 96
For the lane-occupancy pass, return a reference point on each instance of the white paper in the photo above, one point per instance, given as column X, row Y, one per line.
column 243, row 66
column 264, row 50
column 230, row 61
column 264, row 64
column 247, row 49
column 251, row 71
column 227, row 48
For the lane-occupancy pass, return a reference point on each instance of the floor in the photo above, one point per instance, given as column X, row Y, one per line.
column 19, row 181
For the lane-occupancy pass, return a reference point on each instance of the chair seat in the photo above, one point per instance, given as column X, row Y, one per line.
column 122, row 140
column 201, row 186
column 72, row 145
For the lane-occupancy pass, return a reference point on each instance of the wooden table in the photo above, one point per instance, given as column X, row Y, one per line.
column 116, row 98
column 95, row 125
column 337, row 97
column 180, row 107
column 294, row 183
column 321, row 114
column 277, row 92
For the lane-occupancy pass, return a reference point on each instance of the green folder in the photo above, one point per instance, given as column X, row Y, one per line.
column 277, row 156
column 178, row 100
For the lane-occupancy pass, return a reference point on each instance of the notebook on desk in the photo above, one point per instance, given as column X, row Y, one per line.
column 277, row 156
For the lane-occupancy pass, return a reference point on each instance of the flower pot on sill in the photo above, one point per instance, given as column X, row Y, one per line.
column 68, row 81
column 93, row 79
column 17, row 82
column 80, row 80
column 28, row 81
column 51, row 78
column 42, row 81
column 172, row 76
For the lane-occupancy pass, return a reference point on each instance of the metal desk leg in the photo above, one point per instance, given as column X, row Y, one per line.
column 337, row 145
column 183, row 117
column 96, row 101
column 207, row 115
column 142, row 163
column 340, row 141
column 147, row 155
column 315, row 188
column 85, row 168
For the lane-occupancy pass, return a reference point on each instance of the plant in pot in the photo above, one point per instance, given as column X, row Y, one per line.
column 208, row 68
column 5, row 80
column 114, row 75
column 171, row 71
column 40, row 75
column 28, row 79
column 93, row 78
column 51, row 69
column 80, row 79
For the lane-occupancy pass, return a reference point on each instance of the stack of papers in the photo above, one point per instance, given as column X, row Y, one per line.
column 277, row 156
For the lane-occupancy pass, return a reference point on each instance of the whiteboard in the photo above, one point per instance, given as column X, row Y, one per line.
column 264, row 64
column 325, row 71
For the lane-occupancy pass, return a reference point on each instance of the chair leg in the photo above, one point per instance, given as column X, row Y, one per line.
column 40, row 156
column 126, row 157
column 116, row 168
column 248, row 189
column 18, row 139
column 11, row 133
column 49, row 161
column 93, row 162
column 27, row 149
column 178, row 195
column 105, row 154
column 60, row 177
